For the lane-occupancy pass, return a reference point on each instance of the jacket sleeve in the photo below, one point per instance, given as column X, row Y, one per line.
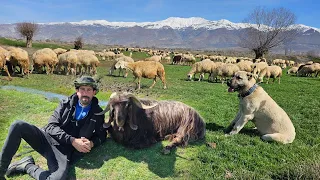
column 53, row 126
column 100, row 134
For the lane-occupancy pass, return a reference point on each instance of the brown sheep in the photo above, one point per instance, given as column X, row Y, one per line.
column 146, row 69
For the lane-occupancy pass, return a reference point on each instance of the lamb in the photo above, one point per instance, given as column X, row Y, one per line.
column 292, row 70
column 45, row 57
column 202, row 67
column 270, row 71
column 114, row 67
column 146, row 69
column 4, row 57
column 19, row 57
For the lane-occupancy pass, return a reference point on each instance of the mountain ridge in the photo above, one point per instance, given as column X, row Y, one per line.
column 173, row 32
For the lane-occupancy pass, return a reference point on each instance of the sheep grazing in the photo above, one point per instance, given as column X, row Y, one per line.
column 69, row 62
column 292, row 70
column 154, row 58
column 116, row 65
column 308, row 70
column 202, row 67
column 19, row 57
column 4, row 57
column 146, row 69
column 257, row 67
column 87, row 62
column 45, row 57
column 224, row 71
column 270, row 71
column 59, row 51
column 245, row 66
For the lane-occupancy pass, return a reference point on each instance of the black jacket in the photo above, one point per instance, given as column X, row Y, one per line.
column 62, row 127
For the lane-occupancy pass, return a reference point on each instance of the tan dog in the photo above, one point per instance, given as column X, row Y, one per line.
column 256, row 105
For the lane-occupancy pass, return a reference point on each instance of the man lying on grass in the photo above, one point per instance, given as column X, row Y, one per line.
column 72, row 131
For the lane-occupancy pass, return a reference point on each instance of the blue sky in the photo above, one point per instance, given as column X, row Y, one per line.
column 42, row 11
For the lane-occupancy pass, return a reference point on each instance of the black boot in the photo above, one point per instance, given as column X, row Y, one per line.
column 20, row 166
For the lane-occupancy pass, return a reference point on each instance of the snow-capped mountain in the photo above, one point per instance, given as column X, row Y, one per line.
column 194, row 32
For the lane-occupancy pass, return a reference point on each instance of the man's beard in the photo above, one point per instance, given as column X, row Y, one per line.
column 85, row 100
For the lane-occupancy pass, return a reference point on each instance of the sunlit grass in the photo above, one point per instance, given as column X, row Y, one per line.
column 244, row 155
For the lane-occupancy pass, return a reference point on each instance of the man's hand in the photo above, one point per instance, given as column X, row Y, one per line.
column 82, row 144
column 88, row 142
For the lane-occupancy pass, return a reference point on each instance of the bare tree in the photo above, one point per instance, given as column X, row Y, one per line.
column 266, row 29
column 78, row 43
column 27, row 30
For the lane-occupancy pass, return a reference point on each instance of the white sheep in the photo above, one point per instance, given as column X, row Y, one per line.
column 270, row 71
column 116, row 65
column 59, row 51
column 154, row 58
column 292, row 70
column 45, row 57
column 202, row 67
column 87, row 63
column 245, row 66
column 257, row 67
column 146, row 69
column 19, row 57
column 224, row 71
column 4, row 57
column 69, row 61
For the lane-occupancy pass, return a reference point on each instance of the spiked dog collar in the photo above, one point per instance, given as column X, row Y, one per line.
column 250, row 91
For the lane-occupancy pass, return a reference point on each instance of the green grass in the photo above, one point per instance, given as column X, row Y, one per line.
column 244, row 155
column 19, row 43
column 136, row 55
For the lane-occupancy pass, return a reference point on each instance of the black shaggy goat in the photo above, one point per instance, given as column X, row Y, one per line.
column 139, row 123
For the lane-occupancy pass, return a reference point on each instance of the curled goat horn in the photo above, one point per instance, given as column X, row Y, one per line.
column 113, row 95
column 104, row 111
column 138, row 102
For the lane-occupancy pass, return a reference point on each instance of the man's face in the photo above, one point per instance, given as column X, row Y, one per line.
column 85, row 94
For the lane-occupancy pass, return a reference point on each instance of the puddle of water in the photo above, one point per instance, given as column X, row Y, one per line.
column 48, row 95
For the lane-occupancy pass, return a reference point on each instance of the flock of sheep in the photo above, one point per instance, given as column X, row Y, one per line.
column 86, row 61
column 48, row 60
column 225, row 67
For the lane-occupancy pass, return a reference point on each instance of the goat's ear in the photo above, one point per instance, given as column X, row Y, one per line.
column 132, row 116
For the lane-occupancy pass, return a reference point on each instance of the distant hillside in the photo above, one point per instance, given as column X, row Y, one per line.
column 194, row 33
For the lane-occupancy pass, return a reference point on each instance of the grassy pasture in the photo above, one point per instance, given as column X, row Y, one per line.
column 243, row 156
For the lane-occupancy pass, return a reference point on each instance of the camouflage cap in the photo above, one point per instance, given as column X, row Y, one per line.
column 86, row 81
